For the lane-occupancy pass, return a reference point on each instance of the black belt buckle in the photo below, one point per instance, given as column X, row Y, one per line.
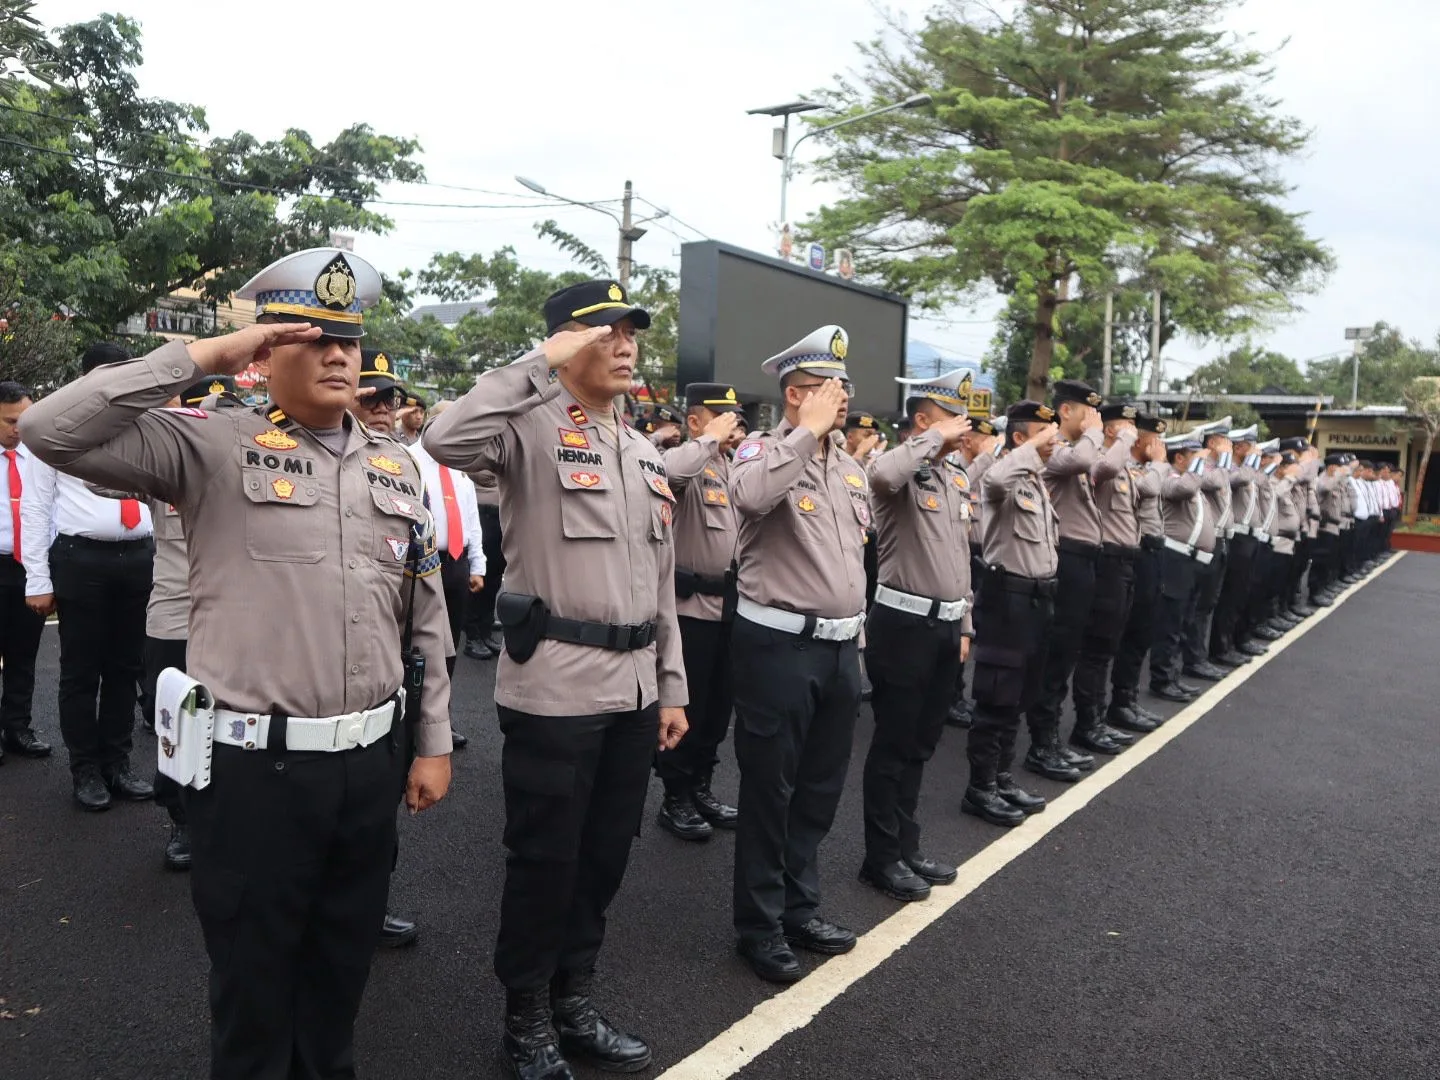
column 631, row 638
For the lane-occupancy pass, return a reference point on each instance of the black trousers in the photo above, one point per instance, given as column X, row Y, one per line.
column 1209, row 581
column 162, row 653
column 1234, row 592
column 101, row 590
column 20, row 630
column 1304, row 546
column 1173, row 613
column 1012, row 636
column 574, row 793
column 292, row 859
column 1347, row 551
column 1324, row 562
column 1139, row 632
column 795, row 706
column 1109, row 614
column 480, row 613
column 912, row 663
column 1257, row 603
column 977, row 573
column 1074, row 600
column 705, row 644
column 1280, row 570
column 455, row 583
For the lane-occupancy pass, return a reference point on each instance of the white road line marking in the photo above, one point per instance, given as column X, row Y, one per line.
column 794, row 1008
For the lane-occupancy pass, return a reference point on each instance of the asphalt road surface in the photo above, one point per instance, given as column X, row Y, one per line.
column 1259, row 897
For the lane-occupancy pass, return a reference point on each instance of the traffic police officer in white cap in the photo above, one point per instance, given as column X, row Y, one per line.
column 292, row 813
column 804, row 508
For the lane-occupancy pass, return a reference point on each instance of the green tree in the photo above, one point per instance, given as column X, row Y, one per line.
column 1422, row 399
column 23, row 48
column 1077, row 146
column 1249, row 369
column 1388, row 363
column 111, row 200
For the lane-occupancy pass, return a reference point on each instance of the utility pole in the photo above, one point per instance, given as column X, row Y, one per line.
column 1155, row 345
column 626, row 238
column 1109, row 329
column 1358, row 335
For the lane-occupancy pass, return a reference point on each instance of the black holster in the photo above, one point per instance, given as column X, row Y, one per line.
column 413, row 681
column 522, row 622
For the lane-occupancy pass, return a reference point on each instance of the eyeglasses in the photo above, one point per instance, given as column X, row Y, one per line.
column 845, row 384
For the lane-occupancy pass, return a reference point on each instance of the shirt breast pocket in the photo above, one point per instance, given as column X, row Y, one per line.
column 396, row 521
column 587, row 504
column 275, row 528
column 1029, row 523
column 717, row 513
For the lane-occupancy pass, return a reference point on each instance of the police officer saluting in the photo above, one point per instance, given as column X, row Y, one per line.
column 293, row 836
column 804, row 507
column 1014, row 611
column 592, row 677
column 919, row 628
column 705, row 538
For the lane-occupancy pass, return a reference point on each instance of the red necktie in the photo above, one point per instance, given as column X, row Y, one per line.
column 129, row 513
column 454, row 535
column 14, row 501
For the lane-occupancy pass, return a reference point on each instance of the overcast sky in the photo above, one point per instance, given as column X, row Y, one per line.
column 583, row 96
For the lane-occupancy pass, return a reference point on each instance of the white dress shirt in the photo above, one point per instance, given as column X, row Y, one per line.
column 24, row 461
column 1361, row 499
column 54, row 503
column 469, row 507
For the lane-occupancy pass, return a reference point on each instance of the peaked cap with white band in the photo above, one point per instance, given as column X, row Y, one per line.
column 950, row 391
column 822, row 353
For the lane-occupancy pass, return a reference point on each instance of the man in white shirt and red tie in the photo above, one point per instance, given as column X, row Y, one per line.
column 91, row 559
column 20, row 628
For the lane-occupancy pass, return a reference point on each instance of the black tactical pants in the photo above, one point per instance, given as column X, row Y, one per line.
column 795, row 706
column 101, row 589
column 1139, row 627
column 1074, row 599
column 1209, row 581
column 1013, row 629
column 1347, row 552
column 1324, row 556
column 912, row 663
column 1280, row 570
column 162, row 653
column 1257, row 603
column 1304, row 546
column 574, row 793
column 1174, row 611
column 292, row 859
column 1234, row 593
column 705, row 644
column 1114, row 593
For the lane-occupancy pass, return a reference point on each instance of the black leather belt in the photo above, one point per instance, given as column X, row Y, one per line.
column 600, row 635
column 1018, row 583
column 1079, row 547
column 704, row 584
column 1290, row 534
column 90, row 544
column 1152, row 543
column 1119, row 551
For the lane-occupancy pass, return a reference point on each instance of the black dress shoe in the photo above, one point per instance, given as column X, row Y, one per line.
column 936, row 873
column 961, row 714
column 679, row 817
column 1323, row 600
column 478, row 650
column 1149, row 717
column 528, row 1048
column 1230, row 660
column 720, row 815
column 1074, row 758
column 1017, row 796
column 1114, row 735
column 586, row 1035
column 90, row 790
column 1126, row 718
column 458, row 741
column 1171, row 692
column 396, row 933
column 1186, row 688
column 896, row 881
column 177, row 851
column 1205, row 670
column 124, row 784
column 987, row 805
column 1252, row 648
column 821, row 936
column 22, row 741
column 1040, row 761
column 1302, row 611
column 1096, row 741
column 771, row 959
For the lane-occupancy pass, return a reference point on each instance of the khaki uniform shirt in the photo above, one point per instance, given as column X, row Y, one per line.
column 1244, row 498
column 1146, row 477
column 1182, row 505
column 975, row 474
column 1116, row 497
column 922, row 526
column 1022, row 532
column 1067, row 475
column 706, row 529
column 1347, row 503
column 487, row 488
column 1219, row 505
column 803, row 520
column 1330, row 492
column 1265, row 503
column 297, row 556
column 586, row 525
column 1305, row 482
column 167, row 616
column 1287, row 515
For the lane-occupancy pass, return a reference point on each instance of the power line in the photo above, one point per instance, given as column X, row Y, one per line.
column 670, row 214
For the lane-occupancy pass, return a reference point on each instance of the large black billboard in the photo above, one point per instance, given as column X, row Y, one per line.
column 737, row 308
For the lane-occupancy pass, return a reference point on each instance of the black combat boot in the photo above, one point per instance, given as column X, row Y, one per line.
column 588, row 1036
column 528, row 1047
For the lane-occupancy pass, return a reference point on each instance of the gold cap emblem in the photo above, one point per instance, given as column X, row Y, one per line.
column 217, row 387
column 1045, row 413
column 382, row 363
column 730, row 393
column 335, row 287
column 838, row 348
column 617, row 293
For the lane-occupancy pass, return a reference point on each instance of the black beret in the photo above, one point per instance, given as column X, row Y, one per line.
column 859, row 420
column 594, row 303
column 1074, row 390
column 1296, row 443
column 1146, row 422
column 1119, row 410
column 377, row 370
column 983, row 426
column 1334, row 459
column 1289, row 457
column 200, row 389
column 1030, row 412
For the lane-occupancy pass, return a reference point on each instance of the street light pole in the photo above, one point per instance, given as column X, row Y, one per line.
column 1359, row 335
column 623, row 263
column 1109, row 331
column 630, row 230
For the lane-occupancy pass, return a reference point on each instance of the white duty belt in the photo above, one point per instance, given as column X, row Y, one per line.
column 251, row 731
column 944, row 610
column 792, row 622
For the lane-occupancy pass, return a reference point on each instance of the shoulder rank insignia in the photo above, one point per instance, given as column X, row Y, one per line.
column 283, row 488
column 577, row 415
column 854, row 481
column 275, row 439
column 806, row 504
column 385, row 465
